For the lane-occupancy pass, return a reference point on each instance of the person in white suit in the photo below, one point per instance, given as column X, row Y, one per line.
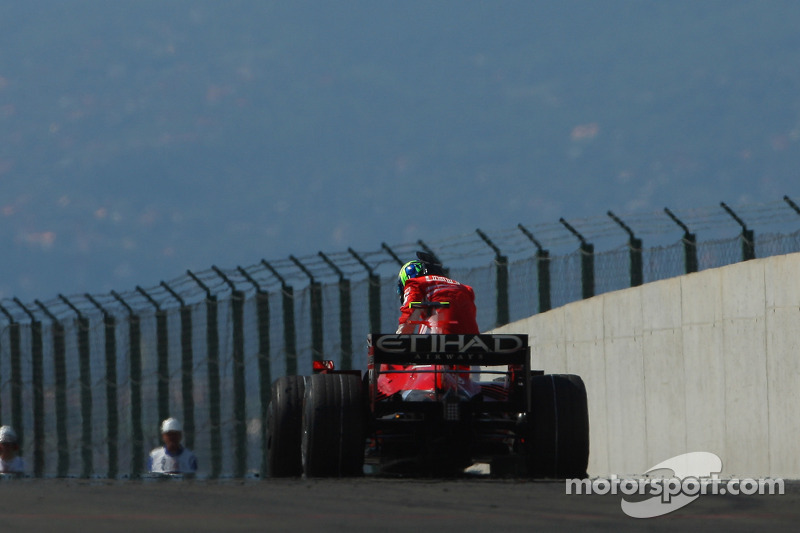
column 173, row 457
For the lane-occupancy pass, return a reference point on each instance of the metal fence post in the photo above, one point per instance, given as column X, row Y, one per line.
column 60, row 397
column 436, row 258
column 239, row 390
column 264, row 372
column 542, row 270
column 793, row 205
column 392, row 254
column 212, row 349
column 86, row 388
column 162, row 349
column 289, row 332
column 635, row 250
column 748, row 236
column 315, row 302
column 374, row 294
column 37, row 370
column 187, row 364
column 135, row 371
column 587, row 261
column 112, row 418
column 16, row 376
column 345, row 316
column 689, row 239
column 501, row 264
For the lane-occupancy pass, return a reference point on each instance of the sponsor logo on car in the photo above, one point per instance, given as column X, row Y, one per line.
column 449, row 344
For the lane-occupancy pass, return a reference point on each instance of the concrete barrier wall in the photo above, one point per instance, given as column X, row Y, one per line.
column 704, row 362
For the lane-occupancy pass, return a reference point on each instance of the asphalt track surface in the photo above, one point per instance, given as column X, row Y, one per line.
column 367, row 504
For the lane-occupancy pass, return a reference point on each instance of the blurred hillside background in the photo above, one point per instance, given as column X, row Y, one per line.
column 142, row 138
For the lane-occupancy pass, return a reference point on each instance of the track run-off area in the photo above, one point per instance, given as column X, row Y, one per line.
column 363, row 504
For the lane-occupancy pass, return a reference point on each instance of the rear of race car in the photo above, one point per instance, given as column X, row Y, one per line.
column 431, row 405
column 429, row 415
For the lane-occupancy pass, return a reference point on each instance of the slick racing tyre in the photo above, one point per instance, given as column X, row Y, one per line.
column 284, row 416
column 558, row 428
column 333, row 426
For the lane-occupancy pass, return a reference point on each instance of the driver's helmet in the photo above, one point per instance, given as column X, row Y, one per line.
column 412, row 269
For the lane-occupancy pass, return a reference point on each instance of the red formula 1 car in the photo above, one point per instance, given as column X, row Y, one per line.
column 422, row 409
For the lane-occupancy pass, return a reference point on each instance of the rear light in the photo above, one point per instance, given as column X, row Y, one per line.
column 322, row 366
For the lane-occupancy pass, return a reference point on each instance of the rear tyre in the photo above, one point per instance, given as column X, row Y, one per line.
column 558, row 435
column 333, row 426
column 284, row 422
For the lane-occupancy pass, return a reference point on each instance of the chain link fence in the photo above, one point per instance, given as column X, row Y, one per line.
column 86, row 379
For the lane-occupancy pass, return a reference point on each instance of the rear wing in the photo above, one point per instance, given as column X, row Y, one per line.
column 448, row 349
